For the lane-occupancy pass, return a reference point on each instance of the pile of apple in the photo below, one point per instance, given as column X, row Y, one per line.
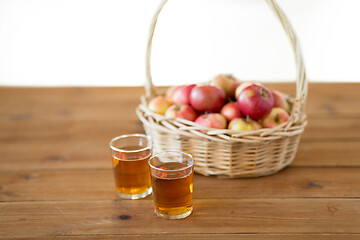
column 224, row 103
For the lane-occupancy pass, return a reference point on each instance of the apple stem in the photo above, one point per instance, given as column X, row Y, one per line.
column 247, row 118
column 177, row 107
column 263, row 93
column 230, row 100
column 277, row 118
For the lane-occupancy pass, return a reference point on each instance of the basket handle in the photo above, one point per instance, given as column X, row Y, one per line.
column 301, row 80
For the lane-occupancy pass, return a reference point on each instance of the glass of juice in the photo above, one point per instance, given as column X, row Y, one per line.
column 130, row 156
column 172, row 181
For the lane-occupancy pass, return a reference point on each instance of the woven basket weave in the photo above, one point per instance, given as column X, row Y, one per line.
column 225, row 152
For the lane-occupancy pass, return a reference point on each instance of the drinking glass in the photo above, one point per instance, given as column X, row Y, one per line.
column 130, row 156
column 172, row 182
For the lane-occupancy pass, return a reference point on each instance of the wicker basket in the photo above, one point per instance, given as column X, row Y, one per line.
column 224, row 152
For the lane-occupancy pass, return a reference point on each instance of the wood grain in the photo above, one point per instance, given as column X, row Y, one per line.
column 181, row 236
column 92, row 154
column 339, row 98
column 328, row 152
column 98, row 185
column 224, row 216
column 318, row 129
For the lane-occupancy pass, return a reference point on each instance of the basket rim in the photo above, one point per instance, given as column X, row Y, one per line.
column 192, row 129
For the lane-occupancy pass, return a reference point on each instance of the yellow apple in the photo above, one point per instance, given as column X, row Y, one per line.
column 159, row 105
column 242, row 124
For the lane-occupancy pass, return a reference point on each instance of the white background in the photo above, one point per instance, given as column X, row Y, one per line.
column 102, row 42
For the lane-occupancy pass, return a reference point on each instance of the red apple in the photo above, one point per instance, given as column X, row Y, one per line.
column 181, row 111
column 243, row 86
column 231, row 111
column 255, row 101
column 242, row 124
column 228, row 83
column 275, row 118
column 159, row 105
column 181, row 95
column 170, row 93
column 207, row 98
column 212, row 120
column 280, row 100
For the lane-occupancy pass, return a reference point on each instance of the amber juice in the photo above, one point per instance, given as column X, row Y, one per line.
column 172, row 190
column 131, row 171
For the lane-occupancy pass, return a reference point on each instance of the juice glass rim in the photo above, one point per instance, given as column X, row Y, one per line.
column 149, row 146
column 172, row 152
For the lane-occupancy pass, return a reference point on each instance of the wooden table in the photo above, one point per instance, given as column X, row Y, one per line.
column 56, row 179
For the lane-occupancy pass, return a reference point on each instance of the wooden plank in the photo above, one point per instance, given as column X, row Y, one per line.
column 67, row 130
column 181, row 236
column 61, row 154
column 98, row 185
column 93, row 128
column 73, row 154
column 40, row 113
column 332, row 128
column 331, row 99
column 66, row 95
column 328, row 153
column 323, row 98
column 262, row 216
